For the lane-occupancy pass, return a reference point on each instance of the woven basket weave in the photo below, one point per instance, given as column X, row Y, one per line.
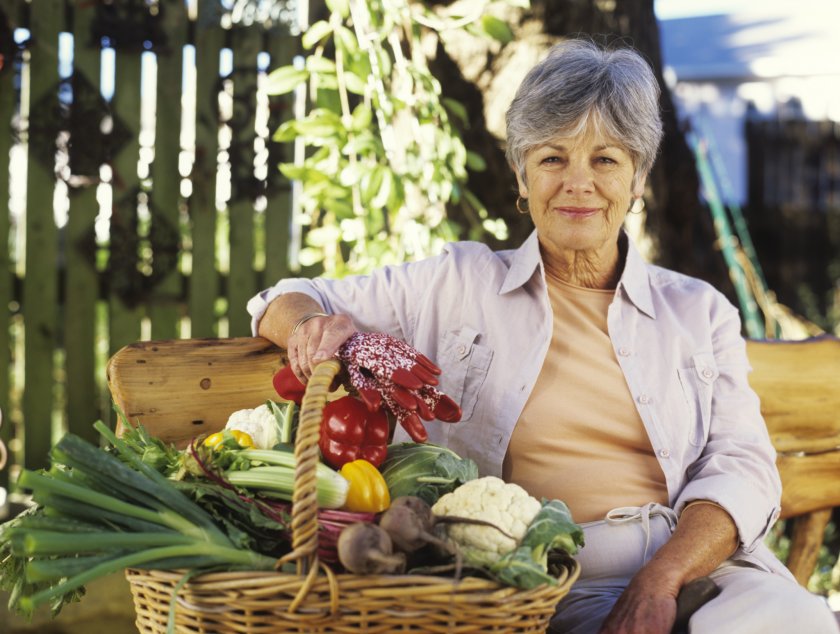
column 314, row 599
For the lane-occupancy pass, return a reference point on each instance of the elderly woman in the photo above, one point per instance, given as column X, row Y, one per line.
column 585, row 374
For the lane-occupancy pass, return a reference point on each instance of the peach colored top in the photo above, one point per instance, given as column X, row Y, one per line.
column 580, row 438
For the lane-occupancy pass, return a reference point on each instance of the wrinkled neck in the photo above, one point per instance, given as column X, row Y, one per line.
column 600, row 269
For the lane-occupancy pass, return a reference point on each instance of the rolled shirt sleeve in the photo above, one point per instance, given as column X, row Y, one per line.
column 258, row 304
column 387, row 300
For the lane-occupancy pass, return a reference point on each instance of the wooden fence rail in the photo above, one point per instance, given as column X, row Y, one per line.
column 134, row 212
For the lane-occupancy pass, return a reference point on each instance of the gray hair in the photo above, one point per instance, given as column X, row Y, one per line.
column 579, row 82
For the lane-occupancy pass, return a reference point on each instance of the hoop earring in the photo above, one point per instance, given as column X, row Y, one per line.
column 638, row 206
column 522, row 205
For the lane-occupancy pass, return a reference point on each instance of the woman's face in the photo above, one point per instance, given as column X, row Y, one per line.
column 579, row 190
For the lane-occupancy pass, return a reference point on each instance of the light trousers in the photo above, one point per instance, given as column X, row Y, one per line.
column 753, row 600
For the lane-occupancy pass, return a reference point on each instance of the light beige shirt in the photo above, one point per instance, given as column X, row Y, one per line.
column 580, row 438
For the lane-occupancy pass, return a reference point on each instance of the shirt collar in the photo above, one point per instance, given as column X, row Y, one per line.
column 526, row 259
column 634, row 279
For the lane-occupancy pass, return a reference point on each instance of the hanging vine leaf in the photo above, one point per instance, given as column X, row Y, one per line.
column 315, row 34
column 383, row 159
column 285, row 79
column 496, row 28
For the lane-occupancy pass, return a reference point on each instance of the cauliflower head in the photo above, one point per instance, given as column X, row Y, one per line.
column 491, row 499
column 259, row 423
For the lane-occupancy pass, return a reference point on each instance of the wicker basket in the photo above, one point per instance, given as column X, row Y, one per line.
column 308, row 602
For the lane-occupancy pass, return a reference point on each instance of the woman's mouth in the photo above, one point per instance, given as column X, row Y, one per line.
column 577, row 212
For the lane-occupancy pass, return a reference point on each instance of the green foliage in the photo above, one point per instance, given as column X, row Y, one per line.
column 384, row 160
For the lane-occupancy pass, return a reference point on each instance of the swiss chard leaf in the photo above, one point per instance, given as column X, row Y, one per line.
column 518, row 568
column 553, row 527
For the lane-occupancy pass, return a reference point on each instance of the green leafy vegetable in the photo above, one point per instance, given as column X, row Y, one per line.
column 552, row 529
column 425, row 470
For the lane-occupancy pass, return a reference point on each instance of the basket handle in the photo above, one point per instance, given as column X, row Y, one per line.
column 305, row 495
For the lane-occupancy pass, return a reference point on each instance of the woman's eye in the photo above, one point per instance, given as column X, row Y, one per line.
column 606, row 160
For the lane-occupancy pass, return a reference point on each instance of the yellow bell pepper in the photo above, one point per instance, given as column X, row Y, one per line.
column 217, row 440
column 368, row 492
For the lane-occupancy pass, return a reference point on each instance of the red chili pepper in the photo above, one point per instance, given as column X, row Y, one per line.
column 288, row 386
column 350, row 431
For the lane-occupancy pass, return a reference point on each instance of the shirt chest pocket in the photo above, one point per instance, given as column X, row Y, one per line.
column 465, row 366
column 697, row 384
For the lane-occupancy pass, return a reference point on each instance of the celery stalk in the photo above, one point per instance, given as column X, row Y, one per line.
column 331, row 487
column 284, row 459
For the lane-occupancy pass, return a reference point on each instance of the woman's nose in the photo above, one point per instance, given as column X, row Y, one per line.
column 578, row 178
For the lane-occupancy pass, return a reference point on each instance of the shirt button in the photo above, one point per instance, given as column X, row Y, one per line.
column 624, row 352
column 707, row 373
column 462, row 349
column 664, row 453
column 644, row 399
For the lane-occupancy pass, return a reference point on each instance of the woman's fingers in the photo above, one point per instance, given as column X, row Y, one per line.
column 317, row 340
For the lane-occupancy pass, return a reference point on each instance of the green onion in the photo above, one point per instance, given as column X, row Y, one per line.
column 98, row 514
column 213, row 556
column 43, row 543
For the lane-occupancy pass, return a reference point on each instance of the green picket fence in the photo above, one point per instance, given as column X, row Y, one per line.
column 130, row 214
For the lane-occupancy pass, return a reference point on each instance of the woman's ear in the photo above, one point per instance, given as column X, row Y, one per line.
column 520, row 181
column 639, row 186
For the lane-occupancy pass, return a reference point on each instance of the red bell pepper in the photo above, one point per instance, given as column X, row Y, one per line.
column 350, row 431
column 288, row 386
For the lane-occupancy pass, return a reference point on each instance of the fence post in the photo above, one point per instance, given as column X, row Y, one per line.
column 82, row 281
column 123, row 277
column 204, row 277
column 278, row 212
column 40, row 297
column 7, row 108
column 165, row 231
column 244, row 186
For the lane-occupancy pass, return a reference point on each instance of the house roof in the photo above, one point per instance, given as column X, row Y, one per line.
column 755, row 41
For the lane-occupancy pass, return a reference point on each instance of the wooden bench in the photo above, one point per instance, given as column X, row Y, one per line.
column 180, row 388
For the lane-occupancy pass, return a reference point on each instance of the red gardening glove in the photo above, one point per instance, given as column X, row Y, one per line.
column 387, row 371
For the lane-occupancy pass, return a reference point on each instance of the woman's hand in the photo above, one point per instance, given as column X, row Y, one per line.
column 316, row 340
column 647, row 606
column 296, row 323
column 705, row 536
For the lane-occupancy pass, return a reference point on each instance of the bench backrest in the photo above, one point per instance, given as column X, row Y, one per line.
column 798, row 383
column 180, row 388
